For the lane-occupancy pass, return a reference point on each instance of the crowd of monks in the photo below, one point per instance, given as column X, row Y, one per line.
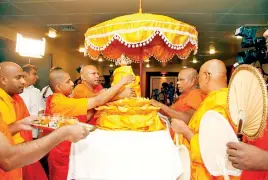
column 19, row 153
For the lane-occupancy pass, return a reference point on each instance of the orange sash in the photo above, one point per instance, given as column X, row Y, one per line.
column 33, row 171
column 22, row 112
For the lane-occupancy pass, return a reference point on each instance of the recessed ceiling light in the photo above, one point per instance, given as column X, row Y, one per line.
column 184, row 67
column 195, row 61
column 100, row 59
column 147, row 65
column 111, row 65
column 81, row 49
column 52, row 33
column 212, row 51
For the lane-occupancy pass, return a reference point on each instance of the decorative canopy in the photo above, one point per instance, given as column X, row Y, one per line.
column 140, row 36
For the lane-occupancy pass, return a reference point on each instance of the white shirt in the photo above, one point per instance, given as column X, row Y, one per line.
column 44, row 96
column 31, row 97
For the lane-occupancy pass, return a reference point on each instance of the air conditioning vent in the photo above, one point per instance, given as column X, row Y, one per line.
column 63, row 27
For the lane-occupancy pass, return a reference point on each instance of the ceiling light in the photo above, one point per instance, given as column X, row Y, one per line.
column 52, row 33
column 195, row 61
column 212, row 51
column 111, row 65
column 147, row 65
column 239, row 37
column 81, row 49
column 100, row 59
column 184, row 67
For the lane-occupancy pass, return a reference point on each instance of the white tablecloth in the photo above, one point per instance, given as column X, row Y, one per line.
column 125, row 155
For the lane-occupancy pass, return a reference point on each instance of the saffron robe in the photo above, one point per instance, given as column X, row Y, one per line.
column 9, row 109
column 83, row 91
column 188, row 101
column 33, row 171
column 217, row 101
column 58, row 159
column 15, row 174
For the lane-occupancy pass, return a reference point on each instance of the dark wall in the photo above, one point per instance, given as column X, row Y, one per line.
column 7, row 53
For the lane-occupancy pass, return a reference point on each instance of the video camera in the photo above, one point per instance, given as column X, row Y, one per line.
column 259, row 50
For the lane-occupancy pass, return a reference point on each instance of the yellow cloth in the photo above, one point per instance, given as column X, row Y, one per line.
column 134, row 114
column 217, row 101
column 130, row 29
column 68, row 106
column 8, row 113
column 123, row 71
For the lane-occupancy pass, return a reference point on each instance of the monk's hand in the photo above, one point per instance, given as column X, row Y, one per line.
column 181, row 127
column 156, row 103
column 247, row 157
column 126, row 93
column 76, row 132
column 25, row 123
column 128, row 79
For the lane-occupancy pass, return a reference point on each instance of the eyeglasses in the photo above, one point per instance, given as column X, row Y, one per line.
column 204, row 73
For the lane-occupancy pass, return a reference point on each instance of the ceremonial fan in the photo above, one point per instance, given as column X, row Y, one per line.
column 247, row 100
column 214, row 133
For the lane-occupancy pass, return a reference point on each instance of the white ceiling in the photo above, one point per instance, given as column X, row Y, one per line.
column 215, row 20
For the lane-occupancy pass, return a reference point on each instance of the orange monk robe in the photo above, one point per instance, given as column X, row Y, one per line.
column 8, row 113
column 83, row 91
column 33, row 171
column 217, row 101
column 58, row 158
column 15, row 174
column 260, row 143
column 188, row 101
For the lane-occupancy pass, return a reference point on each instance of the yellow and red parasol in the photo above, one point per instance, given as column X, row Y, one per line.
column 140, row 36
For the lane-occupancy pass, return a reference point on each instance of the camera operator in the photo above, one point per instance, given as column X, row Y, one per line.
column 252, row 158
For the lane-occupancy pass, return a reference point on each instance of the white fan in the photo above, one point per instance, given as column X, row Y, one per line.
column 214, row 133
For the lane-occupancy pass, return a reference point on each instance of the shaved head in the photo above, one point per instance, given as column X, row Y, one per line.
column 60, row 82
column 90, row 75
column 55, row 77
column 190, row 72
column 11, row 78
column 212, row 76
column 7, row 68
column 187, row 80
column 215, row 66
